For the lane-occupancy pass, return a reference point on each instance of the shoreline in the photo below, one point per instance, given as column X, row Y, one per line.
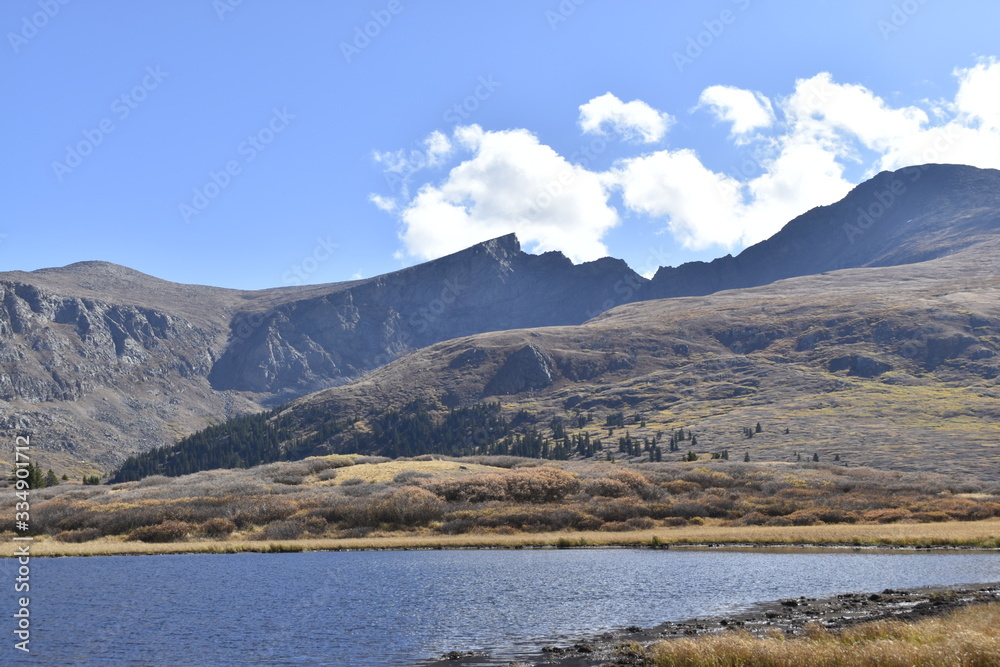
column 952, row 535
column 790, row 616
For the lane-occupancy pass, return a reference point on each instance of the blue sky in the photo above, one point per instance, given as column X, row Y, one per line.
column 257, row 144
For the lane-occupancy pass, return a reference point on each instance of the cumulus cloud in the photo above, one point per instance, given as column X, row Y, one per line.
column 634, row 121
column 795, row 151
column 746, row 110
column 511, row 182
column 382, row 203
column 400, row 165
column 976, row 100
column 801, row 153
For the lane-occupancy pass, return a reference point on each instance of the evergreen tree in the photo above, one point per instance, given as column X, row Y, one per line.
column 758, row 429
column 746, row 457
column 51, row 479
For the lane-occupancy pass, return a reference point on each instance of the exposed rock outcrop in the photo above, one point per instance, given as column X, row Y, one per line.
column 527, row 368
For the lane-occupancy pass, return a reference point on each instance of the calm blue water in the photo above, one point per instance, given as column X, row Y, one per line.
column 397, row 608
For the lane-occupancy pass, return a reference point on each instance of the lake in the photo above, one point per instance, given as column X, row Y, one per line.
column 401, row 607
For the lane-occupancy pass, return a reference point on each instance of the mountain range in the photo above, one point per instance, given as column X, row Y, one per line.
column 867, row 330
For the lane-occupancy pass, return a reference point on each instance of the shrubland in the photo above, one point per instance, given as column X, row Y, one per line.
column 353, row 496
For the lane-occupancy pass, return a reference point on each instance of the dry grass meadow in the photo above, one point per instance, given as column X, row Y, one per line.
column 968, row 637
column 351, row 502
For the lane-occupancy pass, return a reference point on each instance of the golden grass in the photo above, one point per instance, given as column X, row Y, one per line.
column 968, row 637
column 385, row 472
column 982, row 534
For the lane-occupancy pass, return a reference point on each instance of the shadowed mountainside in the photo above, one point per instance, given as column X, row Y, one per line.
column 895, row 367
column 98, row 361
column 901, row 217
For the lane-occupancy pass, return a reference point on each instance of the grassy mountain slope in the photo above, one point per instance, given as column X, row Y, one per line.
column 892, row 367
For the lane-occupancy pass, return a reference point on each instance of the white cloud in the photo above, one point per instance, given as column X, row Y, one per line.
column 802, row 146
column 746, row 110
column 976, row 100
column 510, row 183
column 382, row 203
column 400, row 165
column 634, row 121
column 802, row 154
column 675, row 185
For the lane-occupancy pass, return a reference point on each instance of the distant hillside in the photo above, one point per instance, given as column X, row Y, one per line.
column 311, row 343
column 98, row 361
column 894, row 367
column 902, row 217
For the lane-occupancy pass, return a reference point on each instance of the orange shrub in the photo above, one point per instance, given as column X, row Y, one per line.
column 609, row 488
column 540, row 485
column 680, row 486
column 886, row 515
column 168, row 531
column 216, row 528
column 525, row 485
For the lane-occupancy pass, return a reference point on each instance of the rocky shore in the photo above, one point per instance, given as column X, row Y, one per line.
column 790, row 616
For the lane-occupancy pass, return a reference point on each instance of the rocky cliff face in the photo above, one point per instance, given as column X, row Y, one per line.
column 90, row 379
column 60, row 348
column 98, row 360
column 315, row 343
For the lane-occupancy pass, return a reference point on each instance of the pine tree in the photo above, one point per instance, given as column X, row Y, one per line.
column 51, row 479
column 758, row 429
column 746, row 458
column 815, row 457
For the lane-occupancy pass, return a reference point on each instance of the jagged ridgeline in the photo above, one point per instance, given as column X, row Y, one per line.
column 414, row 430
